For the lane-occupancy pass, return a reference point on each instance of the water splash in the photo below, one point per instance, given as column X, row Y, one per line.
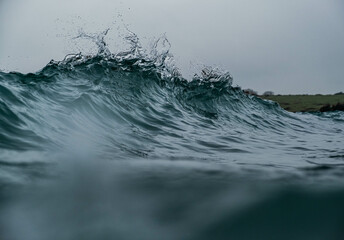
column 157, row 58
column 98, row 39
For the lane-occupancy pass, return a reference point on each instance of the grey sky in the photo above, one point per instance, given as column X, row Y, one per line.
column 293, row 46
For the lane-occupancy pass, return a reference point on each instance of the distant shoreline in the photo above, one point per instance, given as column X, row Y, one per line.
column 309, row 103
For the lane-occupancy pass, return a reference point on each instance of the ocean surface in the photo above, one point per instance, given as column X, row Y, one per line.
column 122, row 146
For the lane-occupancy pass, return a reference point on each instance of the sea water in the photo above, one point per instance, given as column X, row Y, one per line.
column 122, row 146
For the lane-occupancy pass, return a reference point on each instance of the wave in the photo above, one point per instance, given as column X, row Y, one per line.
column 136, row 103
column 94, row 146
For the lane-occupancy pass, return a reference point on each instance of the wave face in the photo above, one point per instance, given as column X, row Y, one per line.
column 117, row 142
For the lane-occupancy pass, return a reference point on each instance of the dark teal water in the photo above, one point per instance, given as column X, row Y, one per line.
column 123, row 147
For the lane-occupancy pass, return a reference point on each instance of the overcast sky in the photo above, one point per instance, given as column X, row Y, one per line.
column 287, row 46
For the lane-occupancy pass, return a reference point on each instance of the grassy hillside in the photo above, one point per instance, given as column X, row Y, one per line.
column 305, row 103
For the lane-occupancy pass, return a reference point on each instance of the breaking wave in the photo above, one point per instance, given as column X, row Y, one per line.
column 130, row 125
